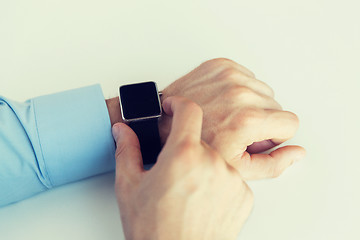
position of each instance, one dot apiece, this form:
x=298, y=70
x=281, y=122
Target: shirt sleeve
x=53, y=140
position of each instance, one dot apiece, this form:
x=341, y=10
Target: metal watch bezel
x=141, y=118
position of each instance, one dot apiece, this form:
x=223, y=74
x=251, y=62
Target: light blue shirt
x=53, y=140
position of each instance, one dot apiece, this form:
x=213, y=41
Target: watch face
x=139, y=100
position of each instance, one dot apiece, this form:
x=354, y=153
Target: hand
x=241, y=118
x=190, y=193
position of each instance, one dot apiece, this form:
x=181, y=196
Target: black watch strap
x=149, y=138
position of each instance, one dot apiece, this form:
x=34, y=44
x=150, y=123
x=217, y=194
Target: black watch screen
x=140, y=100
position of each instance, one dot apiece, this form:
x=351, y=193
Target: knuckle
x=194, y=108
x=294, y=119
x=291, y=120
x=178, y=99
x=273, y=104
x=230, y=73
x=189, y=105
x=266, y=88
x=240, y=93
x=250, y=116
x=219, y=61
x=187, y=145
x=271, y=91
x=225, y=63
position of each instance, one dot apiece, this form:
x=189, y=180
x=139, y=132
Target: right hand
x=190, y=193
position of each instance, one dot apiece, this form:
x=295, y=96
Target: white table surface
x=308, y=51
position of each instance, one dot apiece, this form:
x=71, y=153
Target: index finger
x=187, y=118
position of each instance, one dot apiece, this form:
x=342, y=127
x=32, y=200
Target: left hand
x=241, y=118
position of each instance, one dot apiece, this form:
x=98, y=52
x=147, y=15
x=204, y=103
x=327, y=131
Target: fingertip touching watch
x=141, y=109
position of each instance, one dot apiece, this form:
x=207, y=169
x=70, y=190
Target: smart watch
x=141, y=109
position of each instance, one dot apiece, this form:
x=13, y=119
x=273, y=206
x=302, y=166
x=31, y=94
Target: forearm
x=53, y=140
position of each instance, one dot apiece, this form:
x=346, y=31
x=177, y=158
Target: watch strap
x=148, y=133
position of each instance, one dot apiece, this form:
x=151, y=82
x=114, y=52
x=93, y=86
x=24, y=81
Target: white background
x=308, y=51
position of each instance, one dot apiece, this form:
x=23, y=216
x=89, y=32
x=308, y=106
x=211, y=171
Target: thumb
x=129, y=164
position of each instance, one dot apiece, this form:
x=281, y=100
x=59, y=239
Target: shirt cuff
x=75, y=134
